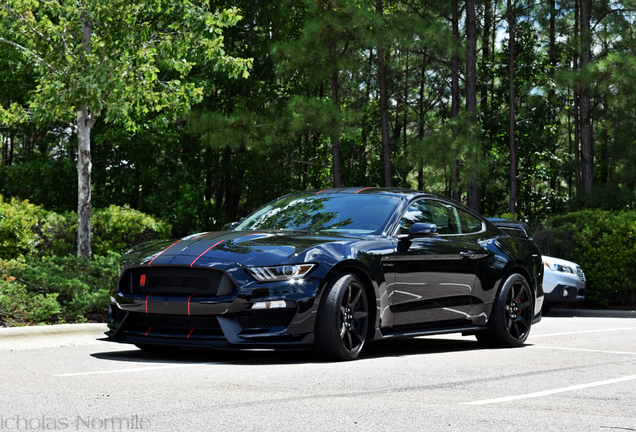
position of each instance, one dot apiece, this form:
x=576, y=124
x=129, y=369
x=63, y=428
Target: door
x=433, y=278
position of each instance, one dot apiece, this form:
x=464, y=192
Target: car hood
x=246, y=248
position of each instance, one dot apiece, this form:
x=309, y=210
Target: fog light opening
x=270, y=304
x=565, y=292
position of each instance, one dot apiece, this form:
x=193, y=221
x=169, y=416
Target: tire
x=343, y=319
x=511, y=316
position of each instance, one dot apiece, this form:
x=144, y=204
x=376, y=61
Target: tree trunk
x=11, y=144
x=457, y=196
x=420, y=135
x=511, y=117
x=577, y=111
x=485, y=49
x=4, y=160
x=335, y=135
x=384, y=121
x=84, y=167
x=587, y=151
x=552, y=93
x=474, y=199
x=552, y=53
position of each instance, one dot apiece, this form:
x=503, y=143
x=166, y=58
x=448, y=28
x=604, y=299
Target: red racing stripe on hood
x=159, y=254
x=215, y=244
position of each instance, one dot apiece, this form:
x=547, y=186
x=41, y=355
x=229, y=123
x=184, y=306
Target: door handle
x=467, y=254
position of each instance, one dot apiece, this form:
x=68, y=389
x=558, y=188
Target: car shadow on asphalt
x=375, y=349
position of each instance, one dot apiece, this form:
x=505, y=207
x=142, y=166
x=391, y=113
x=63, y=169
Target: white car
x=563, y=282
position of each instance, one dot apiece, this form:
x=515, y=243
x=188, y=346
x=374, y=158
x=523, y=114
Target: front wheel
x=511, y=316
x=343, y=319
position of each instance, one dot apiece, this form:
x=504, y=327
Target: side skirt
x=384, y=333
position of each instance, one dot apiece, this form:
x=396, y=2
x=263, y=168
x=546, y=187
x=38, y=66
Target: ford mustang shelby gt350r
x=332, y=269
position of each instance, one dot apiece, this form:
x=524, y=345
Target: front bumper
x=565, y=294
x=253, y=315
x=564, y=287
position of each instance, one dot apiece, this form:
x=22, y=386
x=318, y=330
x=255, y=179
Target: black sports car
x=332, y=269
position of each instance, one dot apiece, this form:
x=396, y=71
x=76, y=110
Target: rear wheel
x=343, y=319
x=511, y=316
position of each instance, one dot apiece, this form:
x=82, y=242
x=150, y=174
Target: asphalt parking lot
x=574, y=374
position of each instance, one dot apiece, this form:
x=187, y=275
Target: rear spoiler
x=512, y=228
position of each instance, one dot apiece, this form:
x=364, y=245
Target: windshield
x=345, y=213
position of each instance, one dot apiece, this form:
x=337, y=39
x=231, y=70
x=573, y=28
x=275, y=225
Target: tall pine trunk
x=384, y=120
x=552, y=54
x=485, y=53
x=511, y=117
x=587, y=150
x=335, y=135
x=474, y=199
x=455, y=99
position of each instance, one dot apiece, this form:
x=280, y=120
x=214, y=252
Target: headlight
x=280, y=273
x=559, y=268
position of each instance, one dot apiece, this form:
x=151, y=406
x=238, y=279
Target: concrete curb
x=56, y=329
x=20, y=338
x=591, y=313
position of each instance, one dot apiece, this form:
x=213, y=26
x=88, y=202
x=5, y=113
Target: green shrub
x=17, y=220
x=603, y=243
x=19, y=306
x=57, y=232
x=56, y=289
x=120, y=228
x=43, y=281
x=29, y=230
x=115, y=229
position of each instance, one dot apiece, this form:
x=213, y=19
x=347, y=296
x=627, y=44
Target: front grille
x=267, y=319
x=579, y=271
x=173, y=326
x=184, y=322
x=176, y=281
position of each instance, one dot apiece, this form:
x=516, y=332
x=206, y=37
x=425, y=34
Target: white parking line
x=551, y=392
x=582, y=349
x=583, y=331
x=142, y=369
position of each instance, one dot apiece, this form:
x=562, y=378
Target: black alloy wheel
x=343, y=319
x=511, y=316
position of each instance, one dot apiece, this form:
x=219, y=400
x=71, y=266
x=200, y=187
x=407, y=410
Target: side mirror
x=421, y=229
x=229, y=227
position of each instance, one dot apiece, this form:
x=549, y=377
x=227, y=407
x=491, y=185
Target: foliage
x=51, y=183
x=31, y=231
x=17, y=220
x=314, y=83
x=603, y=243
x=55, y=289
x=126, y=57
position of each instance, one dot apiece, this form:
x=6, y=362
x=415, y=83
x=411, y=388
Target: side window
x=448, y=218
x=470, y=224
x=417, y=212
x=445, y=216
